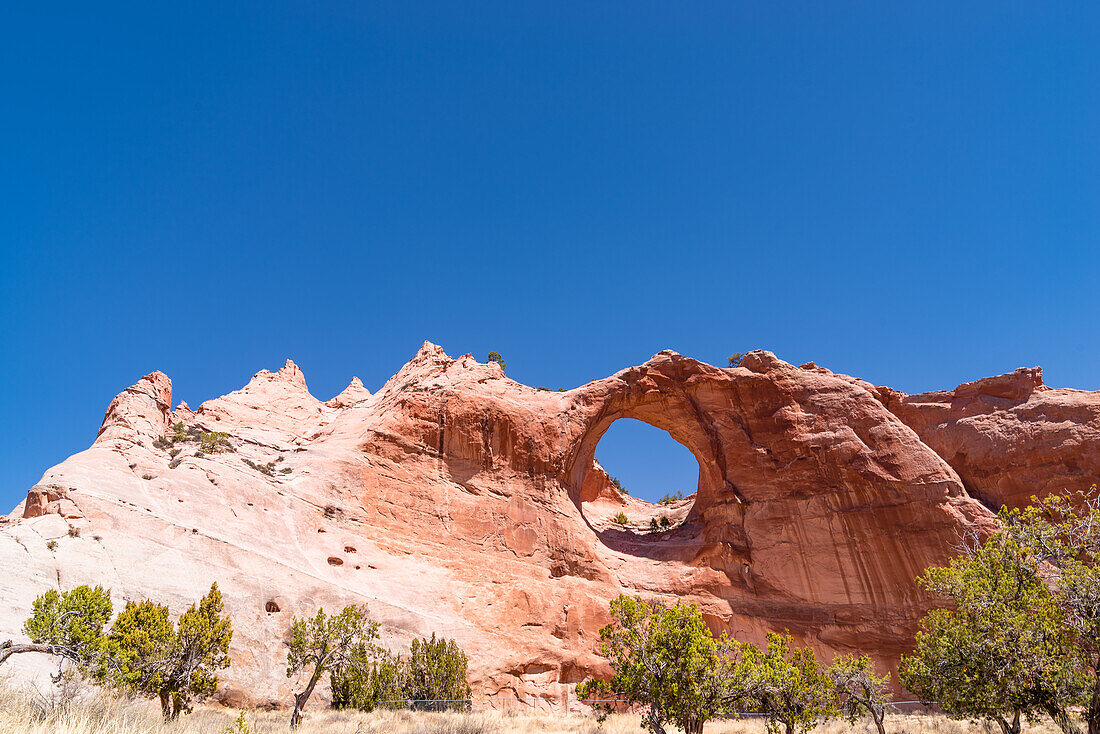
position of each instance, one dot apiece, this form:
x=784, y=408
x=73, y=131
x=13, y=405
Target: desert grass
x=97, y=712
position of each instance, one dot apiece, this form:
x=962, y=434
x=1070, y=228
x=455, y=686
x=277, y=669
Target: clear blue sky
x=905, y=192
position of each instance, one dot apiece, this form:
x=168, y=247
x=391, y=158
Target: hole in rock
x=642, y=481
x=349, y=549
x=271, y=607
x=334, y=561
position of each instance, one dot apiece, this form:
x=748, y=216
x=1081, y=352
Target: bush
x=268, y=468
x=176, y=664
x=669, y=498
x=665, y=522
x=617, y=484
x=495, y=357
x=653, y=526
x=372, y=680
x=620, y=519
x=432, y=677
x=214, y=442
x=735, y=359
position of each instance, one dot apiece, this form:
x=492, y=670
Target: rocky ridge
x=459, y=501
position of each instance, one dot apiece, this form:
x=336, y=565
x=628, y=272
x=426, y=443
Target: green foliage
x=735, y=359
x=620, y=519
x=175, y=663
x=267, y=469
x=436, y=671
x=72, y=622
x=323, y=643
x=1003, y=650
x=665, y=522
x=433, y=676
x=214, y=442
x=793, y=691
x=666, y=659
x=371, y=680
x=179, y=432
x=239, y=725
x=495, y=357
x=617, y=484
x=51, y=545
x=162, y=443
x=669, y=498
x=654, y=527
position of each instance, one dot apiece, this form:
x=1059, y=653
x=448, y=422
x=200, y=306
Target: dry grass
x=93, y=712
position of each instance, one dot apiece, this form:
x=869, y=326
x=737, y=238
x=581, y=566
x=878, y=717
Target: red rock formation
x=1010, y=437
x=458, y=501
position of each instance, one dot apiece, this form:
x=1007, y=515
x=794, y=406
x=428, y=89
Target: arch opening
x=641, y=481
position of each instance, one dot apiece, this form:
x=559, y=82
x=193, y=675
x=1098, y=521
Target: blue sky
x=903, y=192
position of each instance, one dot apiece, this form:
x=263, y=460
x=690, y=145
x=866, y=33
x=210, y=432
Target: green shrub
x=239, y=725
x=51, y=545
x=495, y=357
x=214, y=442
x=176, y=664
x=665, y=522
x=268, y=468
x=735, y=359
x=436, y=671
x=371, y=680
x=653, y=526
x=431, y=677
x=617, y=484
x=620, y=519
x=669, y=498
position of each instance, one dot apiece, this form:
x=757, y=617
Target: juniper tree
x=176, y=664
x=325, y=643
x=667, y=659
x=435, y=671
x=792, y=690
x=1002, y=650
x=858, y=690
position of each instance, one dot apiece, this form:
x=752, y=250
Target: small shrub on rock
x=620, y=519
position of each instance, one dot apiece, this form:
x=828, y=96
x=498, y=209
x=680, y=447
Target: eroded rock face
x=1010, y=437
x=458, y=501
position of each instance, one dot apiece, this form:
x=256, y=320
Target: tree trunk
x=300, y=700
x=165, y=705
x=1007, y=728
x=693, y=726
x=879, y=715
x=654, y=718
x=1094, y=706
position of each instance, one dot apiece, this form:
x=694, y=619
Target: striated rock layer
x=459, y=501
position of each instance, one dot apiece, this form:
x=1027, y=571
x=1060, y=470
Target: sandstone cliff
x=459, y=501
